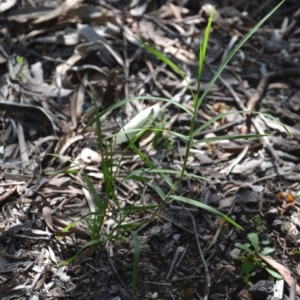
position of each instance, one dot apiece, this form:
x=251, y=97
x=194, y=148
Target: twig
x=268, y=144
x=255, y=123
x=126, y=61
x=179, y=250
x=41, y=267
x=182, y=256
x=207, y=275
x=263, y=84
x=181, y=227
x=116, y=272
x=148, y=78
x=237, y=160
x=270, y=176
x=219, y=229
x=38, y=238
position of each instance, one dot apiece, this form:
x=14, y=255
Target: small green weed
x=252, y=264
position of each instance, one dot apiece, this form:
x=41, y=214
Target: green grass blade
x=130, y=226
x=135, y=176
x=159, y=191
x=202, y=55
x=228, y=137
x=96, y=224
x=205, y=207
x=98, y=202
x=154, y=129
x=122, y=102
x=233, y=51
x=68, y=227
x=166, y=171
x=150, y=164
x=220, y=116
x=132, y=208
x=164, y=59
x=86, y=245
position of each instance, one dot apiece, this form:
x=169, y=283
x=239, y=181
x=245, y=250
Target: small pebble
x=235, y=253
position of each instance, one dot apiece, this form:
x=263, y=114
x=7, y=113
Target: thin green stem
x=188, y=146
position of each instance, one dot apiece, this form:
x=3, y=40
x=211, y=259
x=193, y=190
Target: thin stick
x=207, y=281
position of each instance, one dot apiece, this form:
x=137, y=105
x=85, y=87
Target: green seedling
x=252, y=264
x=20, y=59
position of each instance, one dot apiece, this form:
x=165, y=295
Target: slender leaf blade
x=201, y=59
x=207, y=208
x=232, y=52
x=164, y=59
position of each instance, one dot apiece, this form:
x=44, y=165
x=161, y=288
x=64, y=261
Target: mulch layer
x=51, y=53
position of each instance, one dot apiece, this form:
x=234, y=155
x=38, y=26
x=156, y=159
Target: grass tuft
x=109, y=220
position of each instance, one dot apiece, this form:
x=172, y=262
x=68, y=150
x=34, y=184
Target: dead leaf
x=141, y=121
x=48, y=217
x=60, y=10
x=40, y=283
x=23, y=15
x=5, y=5
x=282, y=270
x=298, y=269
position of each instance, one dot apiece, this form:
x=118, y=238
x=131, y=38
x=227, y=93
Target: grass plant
x=107, y=206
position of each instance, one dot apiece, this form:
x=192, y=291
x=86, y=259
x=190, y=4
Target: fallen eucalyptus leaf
x=140, y=122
